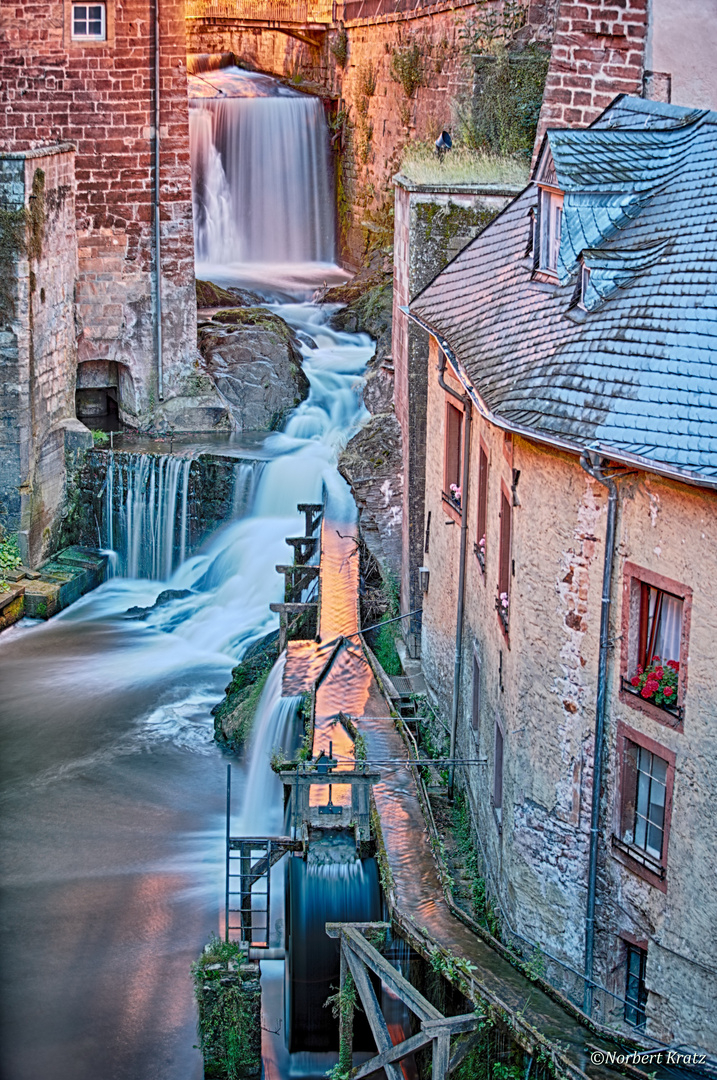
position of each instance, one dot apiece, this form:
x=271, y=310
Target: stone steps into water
x=59, y=582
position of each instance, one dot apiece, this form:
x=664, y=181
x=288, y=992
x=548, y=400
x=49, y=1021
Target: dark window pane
x=475, y=716
x=498, y=770
x=635, y=988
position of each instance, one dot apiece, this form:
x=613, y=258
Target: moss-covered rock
x=210, y=295
x=234, y=716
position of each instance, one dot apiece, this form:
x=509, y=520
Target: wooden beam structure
x=302, y=778
x=359, y=957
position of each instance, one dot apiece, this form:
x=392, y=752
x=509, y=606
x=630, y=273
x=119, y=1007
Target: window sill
x=669, y=717
x=640, y=863
x=545, y=277
x=451, y=508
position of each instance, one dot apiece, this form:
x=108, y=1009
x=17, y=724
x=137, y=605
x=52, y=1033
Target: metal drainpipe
x=157, y=249
x=467, y=413
x=591, y=463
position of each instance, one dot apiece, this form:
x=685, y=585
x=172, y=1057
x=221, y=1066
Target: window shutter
x=482, y=494
x=505, y=525
x=498, y=769
x=454, y=424
x=629, y=792
x=475, y=713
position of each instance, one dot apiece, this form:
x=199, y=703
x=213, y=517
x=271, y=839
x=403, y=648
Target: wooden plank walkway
x=418, y=906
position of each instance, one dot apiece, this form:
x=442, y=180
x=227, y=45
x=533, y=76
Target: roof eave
x=671, y=472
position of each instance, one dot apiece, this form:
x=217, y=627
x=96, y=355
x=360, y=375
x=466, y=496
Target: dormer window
x=551, y=216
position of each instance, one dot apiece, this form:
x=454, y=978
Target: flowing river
x=112, y=805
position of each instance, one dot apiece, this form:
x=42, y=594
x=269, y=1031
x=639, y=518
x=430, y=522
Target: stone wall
x=99, y=96
x=38, y=355
x=598, y=52
x=380, y=116
x=649, y=48
x=432, y=225
x=213, y=496
x=538, y=686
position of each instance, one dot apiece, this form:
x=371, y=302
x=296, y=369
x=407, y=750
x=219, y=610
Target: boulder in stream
x=255, y=360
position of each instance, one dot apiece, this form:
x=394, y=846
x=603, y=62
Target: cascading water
x=261, y=188
x=113, y=814
x=145, y=513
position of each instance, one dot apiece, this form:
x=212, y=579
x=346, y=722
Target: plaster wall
x=681, y=44
x=431, y=226
x=539, y=685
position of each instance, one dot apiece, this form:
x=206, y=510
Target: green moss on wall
x=229, y=1004
x=13, y=244
x=234, y=716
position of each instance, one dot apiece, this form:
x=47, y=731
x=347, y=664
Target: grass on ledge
x=421, y=165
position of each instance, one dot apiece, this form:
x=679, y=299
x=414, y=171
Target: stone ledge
x=41, y=151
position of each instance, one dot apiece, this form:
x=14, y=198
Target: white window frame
x=551, y=215
x=584, y=282
x=102, y=36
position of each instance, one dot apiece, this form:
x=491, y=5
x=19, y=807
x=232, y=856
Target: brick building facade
x=95, y=96
x=99, y=96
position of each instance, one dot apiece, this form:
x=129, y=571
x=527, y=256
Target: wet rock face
x=255, y=361
x=371, y=463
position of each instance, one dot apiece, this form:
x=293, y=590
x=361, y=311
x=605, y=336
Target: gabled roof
x=637, y=373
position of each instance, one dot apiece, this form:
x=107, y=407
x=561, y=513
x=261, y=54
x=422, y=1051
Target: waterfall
x=246, y=478
x=260, y=173
x=215, y=236
x=274, y=729
x=145, y=513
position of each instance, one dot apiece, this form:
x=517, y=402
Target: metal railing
x=278, y=11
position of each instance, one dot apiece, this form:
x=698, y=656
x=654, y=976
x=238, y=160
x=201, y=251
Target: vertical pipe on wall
x=157, y=247
x=592, y=466
x=467, y=416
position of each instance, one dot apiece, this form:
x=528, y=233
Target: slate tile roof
x=637, y=372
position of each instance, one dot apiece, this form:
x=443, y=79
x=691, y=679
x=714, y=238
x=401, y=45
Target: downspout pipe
x=157, y=246
x=467, y=416
x=592, y=464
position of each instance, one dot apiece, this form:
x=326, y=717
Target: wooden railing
x=282, y=11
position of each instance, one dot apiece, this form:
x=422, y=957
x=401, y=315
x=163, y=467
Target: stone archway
x=105, y=394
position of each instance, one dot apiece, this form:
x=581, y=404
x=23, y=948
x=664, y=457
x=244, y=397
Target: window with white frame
x=89, y=22
x=584, y=282
x=551, y=220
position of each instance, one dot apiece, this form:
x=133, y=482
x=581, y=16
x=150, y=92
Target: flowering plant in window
x=658, y=681
x=480, y=551
x=502, y=606
x=456, y=495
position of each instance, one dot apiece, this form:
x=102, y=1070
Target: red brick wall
x=598, y=52
x=100, y=97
